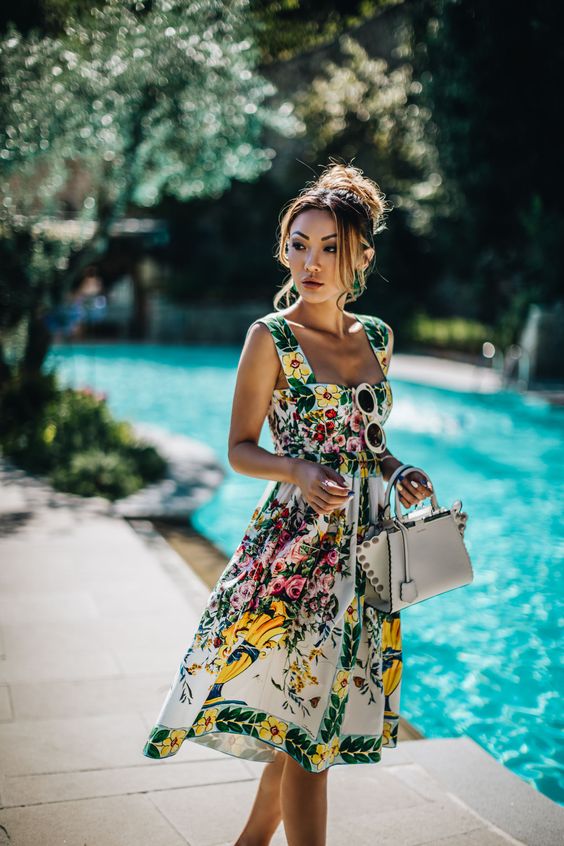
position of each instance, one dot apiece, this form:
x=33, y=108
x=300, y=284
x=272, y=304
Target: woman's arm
x=414, y=487
x=389, y=464
x=256, y=377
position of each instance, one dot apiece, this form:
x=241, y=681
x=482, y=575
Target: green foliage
x=98, y=473
x=149, y=98
x=143, y=99
x=71, y=437
x=450, y=333
x=292, y=27
x=488, y=73
x=363, y=103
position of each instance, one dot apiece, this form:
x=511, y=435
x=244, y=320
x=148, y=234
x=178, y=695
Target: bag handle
x=392, y=486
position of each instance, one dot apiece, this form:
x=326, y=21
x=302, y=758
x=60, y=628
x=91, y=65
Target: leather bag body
x=410, y=558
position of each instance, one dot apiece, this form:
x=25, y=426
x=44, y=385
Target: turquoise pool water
x=486, y=660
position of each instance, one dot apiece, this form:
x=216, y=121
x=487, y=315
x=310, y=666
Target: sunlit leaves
x=365, y=96
x=165, y=94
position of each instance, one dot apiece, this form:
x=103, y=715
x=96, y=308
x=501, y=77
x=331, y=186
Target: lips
x=313, y=282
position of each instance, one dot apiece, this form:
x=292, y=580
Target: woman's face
x=312, y=252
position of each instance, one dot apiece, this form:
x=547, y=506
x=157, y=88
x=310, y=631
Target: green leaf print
x=334, y=717
x=284, y=340
x=151, y=751
x=347, y=647
x=300, y=747
x=160, y=735
x=299, y=387
x=355, y=750
x=306, y=403
x=234, y=720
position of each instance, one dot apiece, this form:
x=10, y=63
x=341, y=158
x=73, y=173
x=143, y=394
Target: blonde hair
x=358, y=208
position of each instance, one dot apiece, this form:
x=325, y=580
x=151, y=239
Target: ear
x=368, y=256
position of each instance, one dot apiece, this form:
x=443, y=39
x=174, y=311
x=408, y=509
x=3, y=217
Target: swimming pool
x=485, y=661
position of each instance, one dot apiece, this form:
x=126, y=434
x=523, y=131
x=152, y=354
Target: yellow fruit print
x=286, y=655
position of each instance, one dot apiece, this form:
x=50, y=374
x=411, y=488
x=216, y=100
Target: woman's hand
x=413, y=488
x=322, y=487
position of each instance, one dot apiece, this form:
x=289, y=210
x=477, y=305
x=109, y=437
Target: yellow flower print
x=294, y=364
x=343, y=463
x=273, y=730
x=334, y=749
x=386, y=733
x=206, y=722
x=173, y=742
x=341, y=683
x=327, y=395
x=351, y=613
x=320, y=755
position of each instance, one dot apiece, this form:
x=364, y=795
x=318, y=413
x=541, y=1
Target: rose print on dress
x=285, y=654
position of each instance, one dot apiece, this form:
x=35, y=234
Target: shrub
x=454, y=333
x=98, y=473
x=71, y=437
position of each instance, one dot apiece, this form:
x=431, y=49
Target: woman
x=288, y=664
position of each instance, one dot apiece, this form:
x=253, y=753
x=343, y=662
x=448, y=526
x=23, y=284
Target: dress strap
x=295, y=365
x=381, y=338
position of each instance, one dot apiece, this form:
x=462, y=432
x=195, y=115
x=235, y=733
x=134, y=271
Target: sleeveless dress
x=286, y=655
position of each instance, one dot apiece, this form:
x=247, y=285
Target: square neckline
x=334, y=384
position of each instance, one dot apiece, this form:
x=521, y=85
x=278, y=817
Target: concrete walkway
x=94, y=618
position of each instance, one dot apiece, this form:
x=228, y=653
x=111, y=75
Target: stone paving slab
x=94, y=617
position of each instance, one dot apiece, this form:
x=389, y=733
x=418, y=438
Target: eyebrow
x=297, y=232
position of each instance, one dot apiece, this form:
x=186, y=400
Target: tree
x=489, y=72
x=147, y=98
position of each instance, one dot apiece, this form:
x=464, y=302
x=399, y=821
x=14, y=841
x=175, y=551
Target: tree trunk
x=37, y=343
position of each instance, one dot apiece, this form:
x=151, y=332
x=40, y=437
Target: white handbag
x=412, y=557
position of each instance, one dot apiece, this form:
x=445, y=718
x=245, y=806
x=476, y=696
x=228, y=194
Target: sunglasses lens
x=374, y=436
x=365, y=401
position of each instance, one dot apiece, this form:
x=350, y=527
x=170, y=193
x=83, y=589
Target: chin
x=310, y=293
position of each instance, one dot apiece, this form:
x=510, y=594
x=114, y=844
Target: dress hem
x=313, y=755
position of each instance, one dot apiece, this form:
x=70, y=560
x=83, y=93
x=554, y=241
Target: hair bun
x=349, y=180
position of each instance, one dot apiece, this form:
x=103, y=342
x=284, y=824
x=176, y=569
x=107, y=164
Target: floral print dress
x=286, y=655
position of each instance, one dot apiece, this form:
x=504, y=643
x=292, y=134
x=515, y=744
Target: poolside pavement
x=94, y=618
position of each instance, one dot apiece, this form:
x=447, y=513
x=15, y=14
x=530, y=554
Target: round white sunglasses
x=367, y=404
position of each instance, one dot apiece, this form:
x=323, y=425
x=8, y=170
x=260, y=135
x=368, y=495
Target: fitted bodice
x=320, y=420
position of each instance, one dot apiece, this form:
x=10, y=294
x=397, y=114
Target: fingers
x=330, y=496
x=321, y=507
x=334, y=476
x=329, y=502
x=412, y=490
x=335, y=489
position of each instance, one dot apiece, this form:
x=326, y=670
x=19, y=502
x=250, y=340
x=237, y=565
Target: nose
x=311, y=265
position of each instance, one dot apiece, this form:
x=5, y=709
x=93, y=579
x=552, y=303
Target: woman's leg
x=304, y=805
x=266, y=812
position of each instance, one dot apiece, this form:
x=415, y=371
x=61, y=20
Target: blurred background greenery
x=155, y=109
x=148, y=147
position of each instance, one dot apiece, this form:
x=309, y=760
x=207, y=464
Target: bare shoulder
x=259, y=339
x=259, y=355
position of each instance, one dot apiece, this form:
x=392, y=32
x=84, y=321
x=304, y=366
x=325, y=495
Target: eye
x=297, y=244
